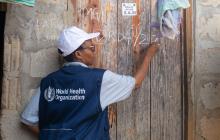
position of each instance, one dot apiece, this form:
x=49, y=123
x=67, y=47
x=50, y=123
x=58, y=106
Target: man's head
x=76, y=45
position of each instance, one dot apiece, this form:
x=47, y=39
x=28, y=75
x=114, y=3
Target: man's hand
x=33, y=129
x=153, y=48
x=142, y=71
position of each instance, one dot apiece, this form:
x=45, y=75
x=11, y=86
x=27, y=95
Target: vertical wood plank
x=89, y=19
x=190, y=109
x=108, y=43
x=125, y=111
x=156, y=82
x=166, y=104
x=142, y=95
x=6, y=69
x=14, y=73
x=133, y=114
x=11, y=94
x=13, y=84
x=166, y=93
x=100, y=16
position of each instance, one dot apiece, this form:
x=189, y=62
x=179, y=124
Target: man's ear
x=78, y=55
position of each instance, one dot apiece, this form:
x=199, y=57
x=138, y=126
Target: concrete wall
x=30, y=54
x=207, y=69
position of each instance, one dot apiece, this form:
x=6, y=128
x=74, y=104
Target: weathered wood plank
x=6, y=69
x=156, y=113
x=108, y=42
x=166, y=104
x=101, y=16
x=166, y=107
x=87, y=15
x=125, y=112
x=14, y=73
x=142, y=96
x=133, y=117
x=190, y=111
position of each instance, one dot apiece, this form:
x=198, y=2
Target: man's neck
x=75, y=63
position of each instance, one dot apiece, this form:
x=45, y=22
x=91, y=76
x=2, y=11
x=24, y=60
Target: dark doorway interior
x=2, y=27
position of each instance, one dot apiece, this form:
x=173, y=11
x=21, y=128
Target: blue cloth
x=69, y=107
x=164, y=5
x=169, y=14
x=24, y=2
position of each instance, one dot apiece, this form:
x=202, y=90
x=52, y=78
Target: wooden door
x=155, y=111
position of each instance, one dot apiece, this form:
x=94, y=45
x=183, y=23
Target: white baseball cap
x=71, y=38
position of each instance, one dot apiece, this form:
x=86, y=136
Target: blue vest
x=69, y=107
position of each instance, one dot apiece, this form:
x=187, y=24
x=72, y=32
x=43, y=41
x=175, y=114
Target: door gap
x=3, y=8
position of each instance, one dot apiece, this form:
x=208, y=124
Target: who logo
x=49, y=94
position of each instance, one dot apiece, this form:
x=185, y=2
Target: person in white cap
x=72, y=103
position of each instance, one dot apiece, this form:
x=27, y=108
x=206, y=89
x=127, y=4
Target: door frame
x=189, y=98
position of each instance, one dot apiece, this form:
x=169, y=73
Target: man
x=72, y=103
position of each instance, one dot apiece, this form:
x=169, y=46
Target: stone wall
x=30, y=54
x=207, y=69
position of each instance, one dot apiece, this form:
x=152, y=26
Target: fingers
x=155, y=44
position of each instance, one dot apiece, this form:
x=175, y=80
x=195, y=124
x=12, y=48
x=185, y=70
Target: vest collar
x=75, y=64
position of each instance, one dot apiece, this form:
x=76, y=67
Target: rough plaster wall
x=30, y=54
x=207, y=65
